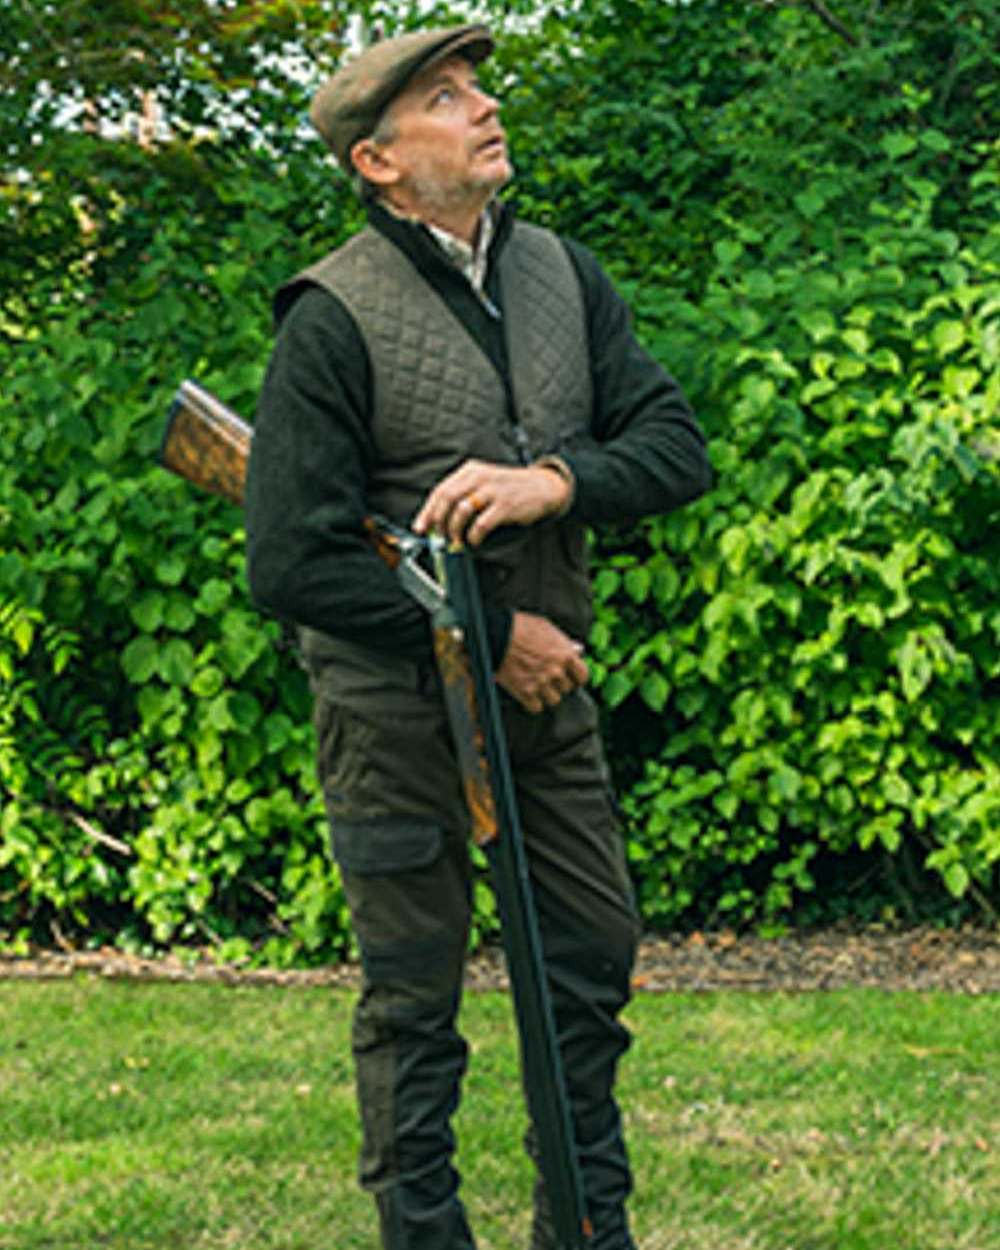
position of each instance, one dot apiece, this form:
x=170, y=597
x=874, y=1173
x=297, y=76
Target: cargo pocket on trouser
x=386, y=847
x=407, y=889
x=398, y=829
x=393, y=764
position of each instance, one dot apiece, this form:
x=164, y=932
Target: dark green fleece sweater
x=308, y=558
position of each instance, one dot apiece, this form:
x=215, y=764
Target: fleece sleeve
x=646, y=452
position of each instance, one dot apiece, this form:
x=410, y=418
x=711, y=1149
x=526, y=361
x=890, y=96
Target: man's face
x=447, y=146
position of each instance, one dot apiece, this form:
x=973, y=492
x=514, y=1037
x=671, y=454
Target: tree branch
x=99, y=835
x=832, y=21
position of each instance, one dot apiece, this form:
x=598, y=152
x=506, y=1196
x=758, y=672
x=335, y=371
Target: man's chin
x=498, y=177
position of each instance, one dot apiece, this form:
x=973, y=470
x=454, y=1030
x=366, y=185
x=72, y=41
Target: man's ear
x=372, y=163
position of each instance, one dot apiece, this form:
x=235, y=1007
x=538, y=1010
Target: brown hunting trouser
x=400, y=835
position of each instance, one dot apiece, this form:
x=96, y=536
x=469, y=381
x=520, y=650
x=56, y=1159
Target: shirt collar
x=468, y=260
x=471, y=261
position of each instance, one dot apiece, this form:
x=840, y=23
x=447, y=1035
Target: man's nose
x=483, y=104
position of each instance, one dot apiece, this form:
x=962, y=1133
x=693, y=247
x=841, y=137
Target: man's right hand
x=542, y=664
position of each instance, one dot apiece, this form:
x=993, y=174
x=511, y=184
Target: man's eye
x=444, y=95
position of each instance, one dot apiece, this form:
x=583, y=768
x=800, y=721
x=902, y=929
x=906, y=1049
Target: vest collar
x=417, y=242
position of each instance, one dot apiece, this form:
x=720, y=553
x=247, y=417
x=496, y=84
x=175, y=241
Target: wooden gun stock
x=207, y=443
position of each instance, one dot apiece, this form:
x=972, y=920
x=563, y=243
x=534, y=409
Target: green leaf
x=176, y=663
x=243, y=752
x=655, y=690
x=213, y=596
x=153, y=702
x=758, y=395
x=734, y=544
x=727, y=252
x=207, y=681
x=960, y=383
x=898, y=144
x=935, y=140
x=897, y=790
x=956, y=878
x=140, y=659
x=218, y=713
x=617, y=688
x=810, y=202
x=179, y=614
x=948, y=336
x=637, y=583
x=785, y=783
x=666, y=583
x=278, y=731
x=915, y=667
x=147, y=611
x=719, y=611
x=887, y=360
x=23, y=632
x=759, y=284
x=170, y=570
x=727, y=803
x=245, y=710
x=818, y=322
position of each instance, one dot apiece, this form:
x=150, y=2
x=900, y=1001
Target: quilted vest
x=438, y=400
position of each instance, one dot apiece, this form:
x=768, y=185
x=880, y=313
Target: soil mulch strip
x=965, y=961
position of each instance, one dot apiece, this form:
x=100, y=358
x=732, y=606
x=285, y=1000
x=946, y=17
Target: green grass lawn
x=139, y=1116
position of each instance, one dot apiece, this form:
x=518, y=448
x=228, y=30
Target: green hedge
x=820, y=635
x=799, y=673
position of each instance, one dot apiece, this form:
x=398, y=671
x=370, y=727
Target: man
x=460, y=372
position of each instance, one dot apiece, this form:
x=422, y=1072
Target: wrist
x=558, y=468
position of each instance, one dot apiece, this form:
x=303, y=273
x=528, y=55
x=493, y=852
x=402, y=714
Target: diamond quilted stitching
x=438, y=396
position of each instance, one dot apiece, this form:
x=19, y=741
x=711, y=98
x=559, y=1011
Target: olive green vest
x=438, y=400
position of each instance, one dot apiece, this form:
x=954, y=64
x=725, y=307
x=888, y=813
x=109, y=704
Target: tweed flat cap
x=348, y=105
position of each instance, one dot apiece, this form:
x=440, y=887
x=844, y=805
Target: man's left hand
x=478, y=497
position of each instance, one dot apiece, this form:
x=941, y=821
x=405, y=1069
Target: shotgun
x=209, y=445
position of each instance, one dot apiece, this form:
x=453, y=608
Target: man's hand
x=542, y=664
x=473, y=500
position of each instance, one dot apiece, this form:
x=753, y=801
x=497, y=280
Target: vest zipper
x=521, y=440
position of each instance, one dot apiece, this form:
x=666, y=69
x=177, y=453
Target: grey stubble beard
x=438, y=197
